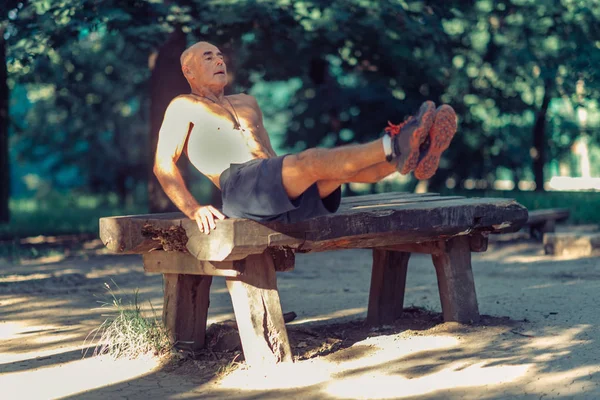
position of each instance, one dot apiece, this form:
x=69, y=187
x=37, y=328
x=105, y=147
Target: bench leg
x=388, y=281
x=455, y=281
x=185, y=309
x=258, y=313
x=537, y=231
x=549, y=226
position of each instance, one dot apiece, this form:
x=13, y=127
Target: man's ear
x=187, y=71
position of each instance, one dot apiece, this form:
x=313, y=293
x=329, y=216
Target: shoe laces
x=394, y=129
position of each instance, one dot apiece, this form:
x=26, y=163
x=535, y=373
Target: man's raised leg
x=341, y=164
x=371, y=174
x=300, y=171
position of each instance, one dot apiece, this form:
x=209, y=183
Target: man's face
x=208, y=67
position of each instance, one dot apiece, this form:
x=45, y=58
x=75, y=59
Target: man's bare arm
x=171, y=141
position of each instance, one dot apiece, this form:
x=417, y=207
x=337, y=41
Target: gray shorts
x=254, y=190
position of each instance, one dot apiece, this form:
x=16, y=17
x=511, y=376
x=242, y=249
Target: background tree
x=512, y=62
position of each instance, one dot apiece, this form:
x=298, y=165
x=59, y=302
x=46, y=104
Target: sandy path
x=548, y=349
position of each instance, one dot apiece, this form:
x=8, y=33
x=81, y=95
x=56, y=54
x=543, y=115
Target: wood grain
x=455, y=281
x=185, y=308
x=379, y=225
x=388, y=281
x=258, y=313
x=172, y=262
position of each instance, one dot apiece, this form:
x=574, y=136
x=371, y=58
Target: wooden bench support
x=172, y=262
x=185, y=309
x=258, y=313
x=455, y=281
x=388, y=280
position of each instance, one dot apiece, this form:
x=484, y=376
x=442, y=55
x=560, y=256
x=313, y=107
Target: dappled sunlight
x=283, y=376
x=83, y=375
x=389, y=348
x=11, y=301
x=376, y=385
x=37, y=356
x=219, y=291
x=405, y=365
x=349, y=312
x=558, y=339
x=111, y=271
x=547, y=357
x=542, y=286
x=24, y=340
x=18, y=337
x=371, y=353
x=23, y=278
x=541, y=257
x=50, y=259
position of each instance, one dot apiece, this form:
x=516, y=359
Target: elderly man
x=224, y=138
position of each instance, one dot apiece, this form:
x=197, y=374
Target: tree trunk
x=4, y=153
x=166, y=83
x=539, y=139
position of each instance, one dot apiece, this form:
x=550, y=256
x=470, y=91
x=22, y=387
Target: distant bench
x=544, y=221
x=248, y=254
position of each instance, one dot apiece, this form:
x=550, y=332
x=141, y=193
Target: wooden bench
x=544, y=221
x=248, y=254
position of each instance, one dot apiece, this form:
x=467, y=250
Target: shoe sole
x=441, y=134
x=418, y=136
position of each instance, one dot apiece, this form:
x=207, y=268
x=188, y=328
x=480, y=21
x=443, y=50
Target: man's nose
x=220, y=61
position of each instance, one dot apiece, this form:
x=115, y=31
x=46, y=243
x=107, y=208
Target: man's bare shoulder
x=188, y=101
x=187, y=106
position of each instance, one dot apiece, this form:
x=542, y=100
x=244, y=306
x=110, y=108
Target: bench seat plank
x=392, y=203
x=544, y=221
x=387, y=196
x=541, y=216
x=360, y=226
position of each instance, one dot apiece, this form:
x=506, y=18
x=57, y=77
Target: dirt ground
x=539, y=337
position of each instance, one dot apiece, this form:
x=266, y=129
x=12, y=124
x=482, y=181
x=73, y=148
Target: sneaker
x=408, y=136
x=440, y=136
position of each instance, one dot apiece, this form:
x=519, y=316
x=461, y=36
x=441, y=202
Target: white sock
x=387, y=147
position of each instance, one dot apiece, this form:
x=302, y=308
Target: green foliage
x=346, y=67
x=62, y=215
x=508, y=57
x=83, y=117
x=126, y=333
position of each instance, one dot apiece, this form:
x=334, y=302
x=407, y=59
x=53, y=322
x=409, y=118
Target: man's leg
x=371, y=174
x=302, y=170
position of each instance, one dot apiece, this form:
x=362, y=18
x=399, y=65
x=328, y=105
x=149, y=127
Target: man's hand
x=205, y=218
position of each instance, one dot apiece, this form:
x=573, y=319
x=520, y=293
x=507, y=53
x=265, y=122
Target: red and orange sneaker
x=440, y=136
x=408, y=136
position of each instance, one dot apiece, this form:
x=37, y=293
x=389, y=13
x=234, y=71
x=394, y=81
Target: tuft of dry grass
x=126, y=332
x=228, y=368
